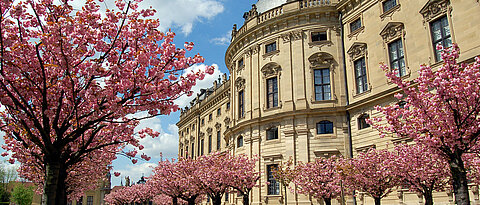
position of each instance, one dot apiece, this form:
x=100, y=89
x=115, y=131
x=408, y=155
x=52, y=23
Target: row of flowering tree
x=187, y=180
x=70, y=79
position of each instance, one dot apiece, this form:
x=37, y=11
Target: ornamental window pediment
x=434, y=8
x=321, y=60
x=392, y=31
x=270, y=69
x=357, y=50
x=240, y=83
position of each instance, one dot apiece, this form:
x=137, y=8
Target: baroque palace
x=304, y=76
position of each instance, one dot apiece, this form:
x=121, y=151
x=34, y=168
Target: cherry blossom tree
x=442, y=112
x=176, y=180
x=423, y=170
x=213, y=174
x=242, y=175
x=71, y=82
x=319, y=179
x=371, y=172
x=138, y=193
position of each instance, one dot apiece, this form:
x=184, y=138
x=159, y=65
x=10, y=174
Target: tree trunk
x=55, y=189
x=217, y=200
x=175, y=201
x=245, y=199
x=285, y=193
x=377, y=200
x=428, y=197
x=328, y=201
x=460, y=183
x=191, y=201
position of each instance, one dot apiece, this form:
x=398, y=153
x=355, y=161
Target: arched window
x=325, y=127
x=240, y=141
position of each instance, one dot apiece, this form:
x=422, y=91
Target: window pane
x=326, y=76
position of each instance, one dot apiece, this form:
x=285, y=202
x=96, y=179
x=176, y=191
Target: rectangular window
x=388, y=4
x=188, y=130
x=241, y=106
x=319, y=36
x=203, y=121
x=201, y=146
x=322, y=84
x=362, y=122
x=181, y=152
x=360, y=75
x=272, y=133
x=219, y=111
x=219, y=140
x=186, y=151
x=357, y=24
x=193, y=148
x=271, y=47
x=325, y=127
x=240, y=141
x=272, y=92
x=240, y=63
x=193, y=127
x=210, y=117
x=228, y=106
x=89, y=200
x=440, y=35
x=209, y=143
x=80, y=201
x=397, y=58
x=273, y=186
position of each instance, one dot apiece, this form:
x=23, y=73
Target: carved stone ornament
x=218, y=126
x=240, y=83
x=357, y=50
x=292, y=36
x=271, y=69
x=392, y=31
x=209, y=130
x=227, y=120
x=434, y=8
x=201, y=134
x=321, y=60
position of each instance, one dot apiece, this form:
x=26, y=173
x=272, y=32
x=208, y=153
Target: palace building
x=304, y=77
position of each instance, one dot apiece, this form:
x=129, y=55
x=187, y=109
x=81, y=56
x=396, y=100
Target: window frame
x=273, y=93
x=89, y=200
x=322, y=85
x=362, y=77
x=441, y=19
x=324, y=122
x=319, y=33
x=240, y=141
x=219, y=140
x=241, y=104
x=219, y=111
x=398, y=59
x=202, y=147
x=272, y=133
x=352, y=24
x=362, y=123
x=268, y=47
x=273, y=187
x=210, y=143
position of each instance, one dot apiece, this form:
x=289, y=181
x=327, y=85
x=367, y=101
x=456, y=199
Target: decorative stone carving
x=357, y=50
x=321, y=60
x=271, y=69
x=292, y=36
x=434, y=8
x=240, y=83
x=251, y=14
x=218, y=126
x=201, y=134
x=209, y=130
x=227, y=121
x=285, y=37
x=392, y=31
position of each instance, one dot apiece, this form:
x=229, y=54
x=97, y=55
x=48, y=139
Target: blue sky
x=207, y=23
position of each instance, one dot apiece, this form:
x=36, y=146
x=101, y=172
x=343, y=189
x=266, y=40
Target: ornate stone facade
x=311, y=63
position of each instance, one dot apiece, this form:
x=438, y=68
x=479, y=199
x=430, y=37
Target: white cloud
x=222, y=40
x=181, y=14
x=135, y=171
x=207, y=82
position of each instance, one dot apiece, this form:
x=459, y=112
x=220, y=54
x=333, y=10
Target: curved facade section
x=305, y=76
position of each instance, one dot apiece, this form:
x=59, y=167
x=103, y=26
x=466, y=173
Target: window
x=188, y=130
x=89, y=200
x=272, y=92
x=241, y=106
x=388, y=4
x=193, y=127
x=186, y=151
x=362, y=122
x=397, y=58
x=181, y=152
x=322, y=84
x=228, y=106
x=357, y=24
x=201, y=146
x=319, y=36
x=272, y=133
x=240, y=63
x=193, y=149
x=325, y=127
x=273, y=186
x=209, y=143
x=360, y=75
x=240, y=141
x=226, y=196
x=219, y=112
x=210, y=117
x=440, y=35
x=271, y=47
x=219, y=140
